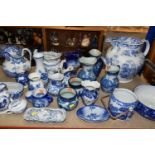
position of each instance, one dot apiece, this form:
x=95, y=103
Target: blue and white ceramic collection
x=39, y=98
x=93, y=113
x=122, y=100
x=90, y=92
x=110, y=81
x=146, y=97
x=67, y=99
x=127, y=53
x=70, y=85
x=15, y=63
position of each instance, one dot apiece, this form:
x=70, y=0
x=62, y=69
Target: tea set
x=70, y=83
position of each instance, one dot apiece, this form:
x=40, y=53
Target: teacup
x=122, y=104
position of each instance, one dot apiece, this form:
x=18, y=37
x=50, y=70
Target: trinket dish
x=45, y=115
x=93, y=113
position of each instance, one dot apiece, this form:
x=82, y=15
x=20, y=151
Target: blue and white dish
x=39, y=98
x=146, y=97
x=93, y=113
x=15, y=89
x=46, y=115
x=67, y=99
x=23, y=79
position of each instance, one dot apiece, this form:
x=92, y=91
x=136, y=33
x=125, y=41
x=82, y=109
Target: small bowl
x=15, y=89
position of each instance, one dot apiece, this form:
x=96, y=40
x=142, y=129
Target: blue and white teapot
x=15, y=63
x=127, y=53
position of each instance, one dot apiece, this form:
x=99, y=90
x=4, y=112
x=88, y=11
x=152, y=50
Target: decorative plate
x=45, y=115
x=93, y=113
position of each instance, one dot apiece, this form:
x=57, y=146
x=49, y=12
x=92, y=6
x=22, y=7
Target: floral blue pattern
x=93, y=113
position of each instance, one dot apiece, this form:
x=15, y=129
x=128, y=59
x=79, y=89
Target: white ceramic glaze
x=50, y=56
x=146, y=95
x=90, y=85
x=127, y=53
x=88, y=60
x=56, y=76
x=95, y=52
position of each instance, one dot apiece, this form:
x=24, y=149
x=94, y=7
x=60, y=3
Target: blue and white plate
x=93, y=113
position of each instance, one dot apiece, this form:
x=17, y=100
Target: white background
x=77, y=13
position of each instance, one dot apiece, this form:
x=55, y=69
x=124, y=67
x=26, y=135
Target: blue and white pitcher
x=15, y=63
x=127, y=53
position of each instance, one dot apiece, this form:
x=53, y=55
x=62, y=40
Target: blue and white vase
x=15, y=63
x=99, y=64
x=122, y=102
x=110, y=81
x=67, y=99
x=38, y=57
x=4, y=97
x=90, y=92
x=127, y=53
x=55, y=83
x=39, y=98
x=35, y=81
x=87, y=72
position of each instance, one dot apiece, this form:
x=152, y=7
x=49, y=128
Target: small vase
x=90, y=92
x=87, y=73
x=110, y=81
x=55, y=83
x=99, y=64
x=38, y=57
x=35, y=81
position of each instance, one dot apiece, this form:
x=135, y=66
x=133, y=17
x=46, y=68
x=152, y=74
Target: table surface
x=72, y=121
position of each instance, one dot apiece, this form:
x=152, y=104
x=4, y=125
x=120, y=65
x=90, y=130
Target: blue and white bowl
x=93, y=113
x=146, y=104
x=15, y=89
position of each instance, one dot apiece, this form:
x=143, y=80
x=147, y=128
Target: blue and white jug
x=15, y=63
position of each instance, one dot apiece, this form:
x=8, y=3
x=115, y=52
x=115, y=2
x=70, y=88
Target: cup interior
x=34, y=76
x=75, y=81
x=68, y=93
x=40, y=92
x=125, y=95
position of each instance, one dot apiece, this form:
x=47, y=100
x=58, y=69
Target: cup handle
x=30, y=54
x=106, y=107
x=147, y=47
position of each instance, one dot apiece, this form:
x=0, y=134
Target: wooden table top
x=72, y=121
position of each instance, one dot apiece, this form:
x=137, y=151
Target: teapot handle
x=147, y=47
x=30, y=54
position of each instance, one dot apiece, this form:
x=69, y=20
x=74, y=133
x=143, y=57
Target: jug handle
x=147, y=47
x=30, y=54
x=106, y=107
